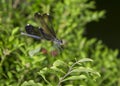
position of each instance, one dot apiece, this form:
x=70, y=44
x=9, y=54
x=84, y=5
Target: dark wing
x=45, y=21
x=30, y=29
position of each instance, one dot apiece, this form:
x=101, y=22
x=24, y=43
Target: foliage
x=22, y=62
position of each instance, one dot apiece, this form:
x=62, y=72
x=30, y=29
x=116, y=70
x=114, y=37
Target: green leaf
x=9, y=75
x=31, y=83
x=59, y=63
x=85, y=70
x=34, y=51
x=57, y=69
x=75, y=78
x=11, y=38
x=15, y=30
x=43, y=76
x=43, y=71
x=85, y=60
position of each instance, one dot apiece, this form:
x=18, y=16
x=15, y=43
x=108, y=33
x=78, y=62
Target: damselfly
x=46, y=30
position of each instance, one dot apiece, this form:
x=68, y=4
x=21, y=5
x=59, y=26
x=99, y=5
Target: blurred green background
x=28, y=62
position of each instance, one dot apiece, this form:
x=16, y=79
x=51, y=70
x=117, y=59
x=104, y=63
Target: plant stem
x=69, y=71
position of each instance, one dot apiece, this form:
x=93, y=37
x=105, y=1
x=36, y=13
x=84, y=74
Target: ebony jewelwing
x=45, y=32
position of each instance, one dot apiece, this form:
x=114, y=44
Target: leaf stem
x=69, y=71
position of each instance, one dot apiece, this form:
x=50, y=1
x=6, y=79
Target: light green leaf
x=82, y=69
x=43, y=71
x=43, y=76
x=85, y=60
x=11, y=39
x=9, y=75
x=75, y=78
x=59, y=63
x=57, y=69
x=85, y=70
x=69, y=85
x=14, y=31
x=34, y=51
x=31, y=83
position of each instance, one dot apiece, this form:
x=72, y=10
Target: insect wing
x=30, y=29
x=46, y=24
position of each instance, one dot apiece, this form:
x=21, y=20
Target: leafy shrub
x=23, y=63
